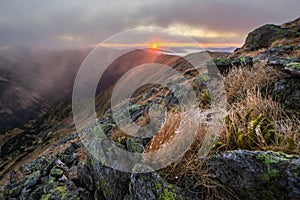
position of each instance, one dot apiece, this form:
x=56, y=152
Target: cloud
x=67, y=23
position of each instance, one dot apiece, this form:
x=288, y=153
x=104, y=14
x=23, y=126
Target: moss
x=272, y=173
x=61, y=189
x=205, y=99
x=106, y=189
x=275, y=157
x=90, y=160
x=10, y=192
x=294, y=65
x=158, y=186
x=266, y=159
x=97, y=185
x=222, y=59
x=56, y=172
x=135, y=145
x=134, y=107
x=122, y=139
x=32, y=176
x=167, y=193
x=202, y=78
x=51, y=179
x=242, y=59
x=46, y=196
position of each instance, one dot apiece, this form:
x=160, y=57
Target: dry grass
x=189, y=171
x=245, y=52
x=258, y=123
x=240, y=80
x=295, y=53
x=286, y=42
x=165, y=134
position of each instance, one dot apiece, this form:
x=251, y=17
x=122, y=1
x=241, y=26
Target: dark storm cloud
x=72, y=23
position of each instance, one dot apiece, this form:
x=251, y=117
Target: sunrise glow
x=157, y=45
x=154, y=45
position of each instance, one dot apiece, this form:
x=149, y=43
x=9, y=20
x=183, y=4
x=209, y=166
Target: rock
x=111, y=183
x=36, y=193
x=258, y=175
x=22, y=186
x=32, y=179
x=56, y=173
x=135, y=114
x=71, y=149
x=286, y=90
x=291, y=65
x=85, y=178
x=152, y=186
x=12, y=178
x=261, y=56
x=37, y=165
x=264, y=36
x=279, y=51
x=225, y=64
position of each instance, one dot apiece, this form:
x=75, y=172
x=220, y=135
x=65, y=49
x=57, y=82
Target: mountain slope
x=57, y=166
x=17, y=104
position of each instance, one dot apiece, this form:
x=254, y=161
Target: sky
x=77, y=23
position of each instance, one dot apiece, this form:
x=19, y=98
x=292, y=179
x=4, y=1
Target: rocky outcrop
x=115, y=185
x=264, y=36
x=285, y=89
x=258, y=175
x=225, y=64
x=57, y=177
x=250, y=175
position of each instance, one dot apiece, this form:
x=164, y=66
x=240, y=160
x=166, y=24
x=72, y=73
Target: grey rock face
x=258, y=175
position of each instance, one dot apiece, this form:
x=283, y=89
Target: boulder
x=264, y=36
x=225, y=64
x=258, y=175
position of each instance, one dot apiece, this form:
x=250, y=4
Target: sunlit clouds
x=199, y=32
x=69, y=23
x=68, y=37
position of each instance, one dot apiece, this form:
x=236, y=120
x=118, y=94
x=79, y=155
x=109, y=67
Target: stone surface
x=258, y=175
x=264, y=36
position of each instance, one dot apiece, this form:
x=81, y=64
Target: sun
x=154, y=45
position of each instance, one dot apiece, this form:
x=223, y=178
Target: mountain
x=18, y=104
x=32, y=81
x=256, y=156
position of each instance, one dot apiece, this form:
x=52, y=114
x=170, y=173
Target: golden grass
x=286, y=42
x=259, y=123
x=240, y=79
x=295, y=53
x=189, y=168
x=165, y=134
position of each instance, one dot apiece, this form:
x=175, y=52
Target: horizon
x=67, y=25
